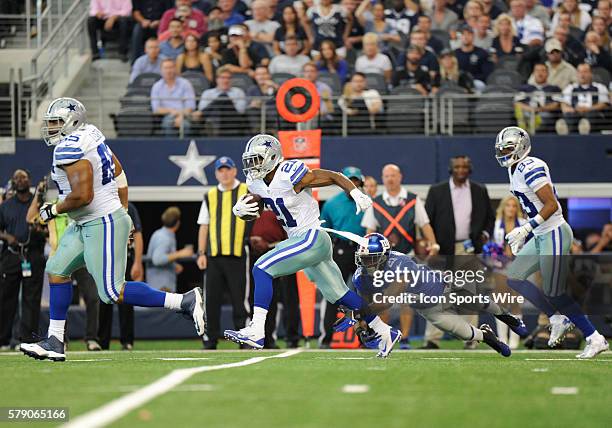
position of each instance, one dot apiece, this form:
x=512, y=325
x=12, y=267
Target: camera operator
x=22, y=263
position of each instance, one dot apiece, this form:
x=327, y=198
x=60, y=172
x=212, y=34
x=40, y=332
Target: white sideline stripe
x=89, y=361
x=118, y=408
x=182, y=359
x=568, y=359
x=355, y=389
x=564, y=390
x=542, y=370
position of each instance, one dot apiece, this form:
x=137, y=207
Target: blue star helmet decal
x=71, y=107
x=267, y=144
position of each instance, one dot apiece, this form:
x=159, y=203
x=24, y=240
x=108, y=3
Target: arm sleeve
x=155, y=101
x=603, y=94
x=125, y=9
x=136, y=70
x=204, y=216
x=207, y=97
x=369, y=220
x=387, y=63
x=161, y=249
x=94, y=8
x=420, y=215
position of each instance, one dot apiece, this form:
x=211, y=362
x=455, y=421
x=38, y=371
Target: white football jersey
x=529, y=176
x=87, y=142
x=296, y=212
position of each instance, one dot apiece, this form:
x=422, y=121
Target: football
x=254, y=198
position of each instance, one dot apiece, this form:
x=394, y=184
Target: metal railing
x=449, y=114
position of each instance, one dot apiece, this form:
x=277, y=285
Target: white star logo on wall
x=192, y=164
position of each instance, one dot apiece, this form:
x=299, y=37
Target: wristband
x=54, y=209
x=201, y=253
x=536, y=221
x=121, y=180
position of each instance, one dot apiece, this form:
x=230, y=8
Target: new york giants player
x=547, y=252
x=286, y=187
x=93, y=192
x=432, y=296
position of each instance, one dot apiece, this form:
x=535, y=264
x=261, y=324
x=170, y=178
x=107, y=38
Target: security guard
x=222, y=250
x=339, y=213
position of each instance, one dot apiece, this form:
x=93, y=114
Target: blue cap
x=224, y=161
x=353, y=171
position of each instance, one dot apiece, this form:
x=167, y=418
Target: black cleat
x=515, y=323
x=493, y=341
x=192, y=307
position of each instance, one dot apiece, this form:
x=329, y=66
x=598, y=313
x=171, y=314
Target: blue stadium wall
x=424, y=160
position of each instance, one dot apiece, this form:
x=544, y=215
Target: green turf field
x=451, y=388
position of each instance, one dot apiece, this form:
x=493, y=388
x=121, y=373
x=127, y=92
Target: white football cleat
x=247, y=336
x=559, y=326
x=388, y=341
x=595, y=345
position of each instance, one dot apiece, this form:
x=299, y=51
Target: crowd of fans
x=401, y=46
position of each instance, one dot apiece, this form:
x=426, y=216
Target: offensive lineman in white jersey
x=549, y=249
x=286, y=187
x=93, y=192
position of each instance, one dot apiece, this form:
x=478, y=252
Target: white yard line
x=116, y=409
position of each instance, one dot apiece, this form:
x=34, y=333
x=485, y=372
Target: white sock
x=56, y=328
x=478, y=336
x=378, y=325
x=259, y=318
x=173, y=301
x=594, y=335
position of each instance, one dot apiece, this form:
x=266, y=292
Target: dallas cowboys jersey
x=529, y=176
x=296, y=212
x=87, y=143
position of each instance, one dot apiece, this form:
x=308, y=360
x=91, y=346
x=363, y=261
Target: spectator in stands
x=354, y=39
x=530, y=30
x=372, y=61
x=192, y=58
x=560, y=72
x=150, y=62
x=414, y=75
x=491, y=9
x=242, y=55
x=401, y=18
x=215, y=19
x=360, y=104
x=573, y=49
x=483, y=36
x=442, y=18
x=536, y=105
x=429, y=60
x=174, y=45
x=585, y=104
x=193, y=19
x=331, y=63
x=472, y=59
x=505, y=42
x=372, y=17
x=424, y=24
x=596, y=56
x=261, y=27
x=536, y=10
x=222, y=106
x=290, y=26
x=596, y=243
x=229, y=14
x=328, y=21
x=370, y=186
x=264, y=87
x=147, y=15
x=604, y=10
x=162, y=266
x=450, y=72
x=291, y=61
x=106, y=16
x=456, y=6
x=212, y=56
x=326, y=108
x=579, y=18
x=598, y=25
x=472, y=11
x=173, y=98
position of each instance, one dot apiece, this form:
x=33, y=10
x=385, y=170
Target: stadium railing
x=440, y=114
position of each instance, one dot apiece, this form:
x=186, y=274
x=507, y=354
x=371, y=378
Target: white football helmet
x=67, y=115
x=512, y=145
x=262, y=154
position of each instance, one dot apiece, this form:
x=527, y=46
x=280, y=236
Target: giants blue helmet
x=373, y=256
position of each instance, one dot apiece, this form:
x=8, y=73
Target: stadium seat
x=443, y=36
x=459, y=114
x=145, y=80
x=332, y=80
x=145, y=92
x=601, y=75
x=280, y=78
x=242, y=81
x=505, y=77
x=377, y=81
x=405, y=115
x=490, y=116
x=134, y=123
x=199, y=82
x=137, y=101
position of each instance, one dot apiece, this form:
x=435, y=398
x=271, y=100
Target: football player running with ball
x=286, y=188
x=549, y=249
x=93, y=192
